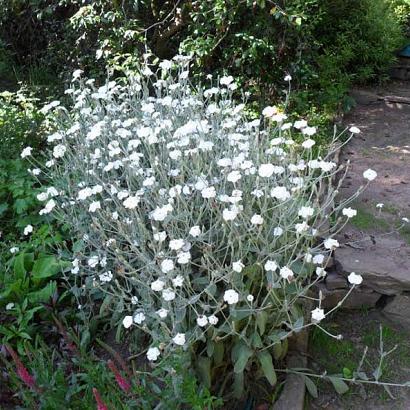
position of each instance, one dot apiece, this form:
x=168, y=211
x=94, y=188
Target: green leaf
x=238, y=385
x=340, y=386
x=244, y=354
x=265, y=360
x=261, y=319
x=311, y=387
x=218, y=355
x=204, y=370
x=47, y=267
x=277, y=350
x=22, y=264
x=44, y=294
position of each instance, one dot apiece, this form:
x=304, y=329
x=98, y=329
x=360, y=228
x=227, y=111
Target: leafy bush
x=194, y=225
x=61, y=378
x=325, y=44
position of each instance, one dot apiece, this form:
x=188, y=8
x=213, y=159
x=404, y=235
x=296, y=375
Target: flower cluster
x=194, y=220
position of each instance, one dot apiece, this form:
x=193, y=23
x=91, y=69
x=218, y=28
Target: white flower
x=179, y=339
x=131, y=202
x=183, y=258
x=320, y=272
x=355, y=279
x=271, y=266
x=134, y=300
x=195, y=231
x=354, y=130
x=229, y=214
x=278, y=231
x=160, y=236
x=157, y=285
x=14, y=249
x=369, y=174
x=266, y=170
x=94, y=206
x=231, y=297
x=178, y=281
x=286, y=273
x=213, y=320
x=302, y=227
x=127, y=321
x=153, y=353
x=162, y=313
x=168, y=294
x=9, y=306
x=93, y=261
x=48, y=208
x=349, y=212
x=280, y=192
x=300, y=124
x=331, y=243
x=309, y=131
x=306, y=212
x=139, y=318
x=202, y=321
x=287, y=78
x=77, y=74
x=269, y=111
x=167, y=265
x=234, y=176
x=318, y=315
x=209, y=192
x=28, y=229
x=176, y=244
x=238, y=266
x=226, y=80
x=256, y=220
x=380, y=205
x=307, y=144
x=106, y=277
x=250, y=298
x=59, y=151
x=26, y=152
x=318, y=259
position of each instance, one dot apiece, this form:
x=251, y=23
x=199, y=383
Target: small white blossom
x=178, y=281
x=271, y=266
x=266, y=170
x=162, y=313
x=250, y=298
x=167, y=265
x=153, y=353
x=231, y=297
x=256, y=220
x=349, y=212
x=286, y=273
x=331, y=243
x=139, y=317
x=213, y=320
x=168, y=294
x=202, y=321
x=157, y=285
x=127, y=321
x=26, y=152
x=306, y=212
x=28, y=230
x=369, y=174
x=238, y=266
x=94, y=206
x=355, y=279
x=354, y=130
x=318, y=315
x=179, y=339
x=195, y=231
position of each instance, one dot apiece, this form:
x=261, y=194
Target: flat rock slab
x=372, y=244
x=398, y=310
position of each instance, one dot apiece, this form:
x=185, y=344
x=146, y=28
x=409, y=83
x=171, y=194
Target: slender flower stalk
x=100, y=404
x=122, y=382
x=21, y=370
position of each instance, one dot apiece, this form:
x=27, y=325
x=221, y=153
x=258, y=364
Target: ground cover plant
x=193, y=225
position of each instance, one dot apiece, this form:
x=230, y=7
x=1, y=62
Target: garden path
x=374, y=246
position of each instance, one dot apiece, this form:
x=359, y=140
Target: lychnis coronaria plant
x=195, y=225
